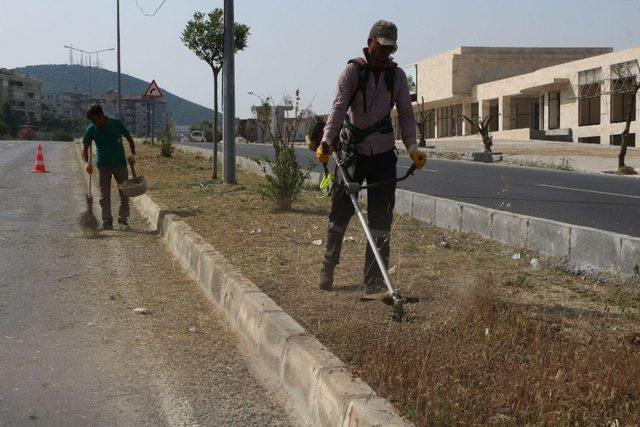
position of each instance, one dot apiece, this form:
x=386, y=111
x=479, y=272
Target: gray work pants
x=380, y=203
x=120, y=174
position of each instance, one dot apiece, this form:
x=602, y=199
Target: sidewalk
x=582, y=157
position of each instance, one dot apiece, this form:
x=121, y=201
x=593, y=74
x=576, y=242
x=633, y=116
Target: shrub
x=4, y=129
x=166, y=139
x=284, y=179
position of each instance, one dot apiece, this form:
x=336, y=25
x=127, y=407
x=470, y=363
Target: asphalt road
x=72, y=350
x=594, y=200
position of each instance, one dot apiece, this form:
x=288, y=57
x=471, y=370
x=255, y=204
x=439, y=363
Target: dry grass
x=492, y=340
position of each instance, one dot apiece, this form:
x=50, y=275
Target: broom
x=87, y=220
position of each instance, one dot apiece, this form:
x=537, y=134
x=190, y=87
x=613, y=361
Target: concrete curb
x=322, y=390
x=581, y=248
x=320, y=386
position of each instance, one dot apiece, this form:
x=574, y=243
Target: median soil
x=493, y=340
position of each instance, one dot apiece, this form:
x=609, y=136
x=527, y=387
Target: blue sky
x=298, y=44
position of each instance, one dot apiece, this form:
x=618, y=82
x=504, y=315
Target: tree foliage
x=204, y=35
x=12, y=119
x=52, y=122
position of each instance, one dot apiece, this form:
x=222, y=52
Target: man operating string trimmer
x=368, y=89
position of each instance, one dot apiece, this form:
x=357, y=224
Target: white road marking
x=589, y=191
x=11, y=145
x=421, y=170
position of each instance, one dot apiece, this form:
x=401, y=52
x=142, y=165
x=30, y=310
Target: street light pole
x=228, y=95
x=119, y=101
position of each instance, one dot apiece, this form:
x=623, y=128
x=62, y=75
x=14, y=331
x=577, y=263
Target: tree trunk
x=422, y=142
x=625, y=133
x=215, y=125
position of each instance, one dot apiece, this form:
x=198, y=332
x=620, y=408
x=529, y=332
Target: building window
x=623, y=78
x=617, y=140
x=450, y=121
x=589, y=97
x=554, y=110
x=494, y=110
x=475, y=108
x=589, y=140
x=430, y=125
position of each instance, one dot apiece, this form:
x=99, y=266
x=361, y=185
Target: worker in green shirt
x=107, y=133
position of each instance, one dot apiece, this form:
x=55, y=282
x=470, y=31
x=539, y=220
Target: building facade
x=22, y=92
x=137, y=111
x=570, y=94
x=67, y=104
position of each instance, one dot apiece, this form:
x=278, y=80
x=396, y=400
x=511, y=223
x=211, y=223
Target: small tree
x=204, y=35
x=4, y=129
x=166, y=139
x=12, y=119
x=622, y=168
x=423, y=116
x=285, y=180
x=483, y=128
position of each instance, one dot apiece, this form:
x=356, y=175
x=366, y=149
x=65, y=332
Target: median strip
x=492, y=319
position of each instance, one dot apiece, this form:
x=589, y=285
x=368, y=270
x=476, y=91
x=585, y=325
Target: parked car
x=197, y=136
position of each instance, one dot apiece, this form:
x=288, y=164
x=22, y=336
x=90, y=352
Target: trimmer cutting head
x=397, y=304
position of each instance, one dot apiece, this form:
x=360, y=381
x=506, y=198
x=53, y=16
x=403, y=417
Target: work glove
x=323, y=152
x=131, y=159
x=88, y=168
x=419, y=158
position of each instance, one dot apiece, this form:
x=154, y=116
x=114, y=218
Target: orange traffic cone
x=39, y=167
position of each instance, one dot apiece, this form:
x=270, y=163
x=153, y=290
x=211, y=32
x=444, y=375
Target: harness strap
x=383, y=126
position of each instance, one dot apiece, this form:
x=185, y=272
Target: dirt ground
x=492, y=340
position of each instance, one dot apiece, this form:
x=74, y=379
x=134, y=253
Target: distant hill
x=75, y=78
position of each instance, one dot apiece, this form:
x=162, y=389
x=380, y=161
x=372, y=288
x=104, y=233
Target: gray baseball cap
x=385, y=32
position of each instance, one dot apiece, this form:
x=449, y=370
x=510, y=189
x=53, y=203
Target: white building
x=573, y=94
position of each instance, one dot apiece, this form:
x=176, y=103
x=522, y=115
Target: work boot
x=326, y=276
x=123, y=224
x=374, y=286
x=107, y=224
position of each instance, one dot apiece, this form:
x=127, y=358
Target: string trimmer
x=392, y=296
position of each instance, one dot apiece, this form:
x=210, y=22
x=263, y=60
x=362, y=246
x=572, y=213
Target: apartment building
x=22, y=92
x=68, y=104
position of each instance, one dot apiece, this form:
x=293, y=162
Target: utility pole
x=228, y=95
x=119, y=99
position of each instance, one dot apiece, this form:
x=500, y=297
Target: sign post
x=153, y=92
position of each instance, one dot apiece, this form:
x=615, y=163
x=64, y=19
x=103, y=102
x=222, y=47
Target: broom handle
x=90, y=155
